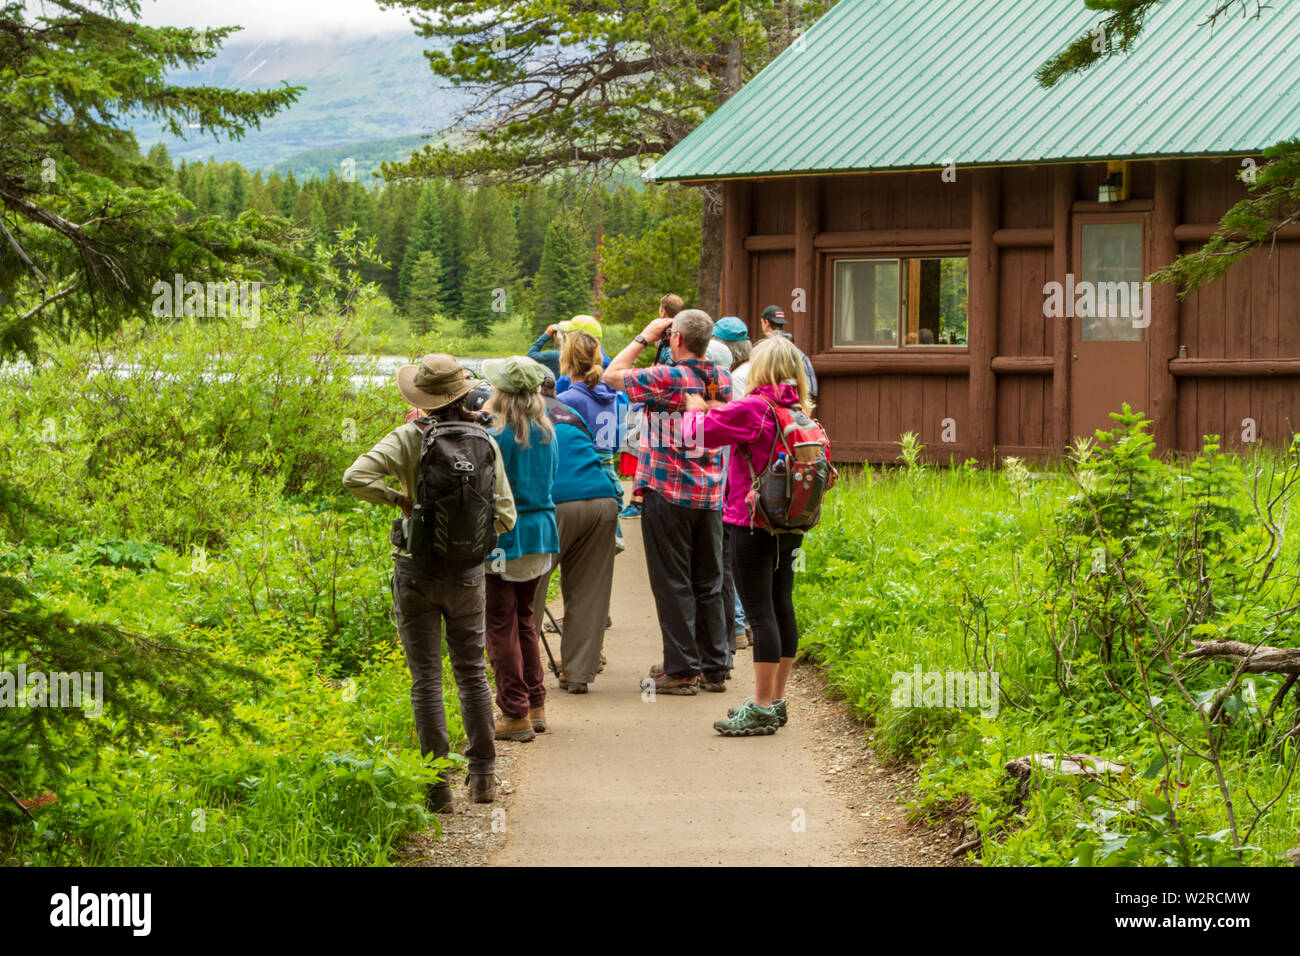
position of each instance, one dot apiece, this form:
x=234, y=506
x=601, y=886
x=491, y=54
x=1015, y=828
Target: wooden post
x=1162, y=333
x=982, y=333
x=1062, y=332
x=735, y=258
x=806, y=335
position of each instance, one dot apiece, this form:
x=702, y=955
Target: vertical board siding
x=1252, y=313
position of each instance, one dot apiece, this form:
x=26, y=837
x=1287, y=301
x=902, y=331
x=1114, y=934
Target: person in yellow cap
x=551, y=357
x=425, y=592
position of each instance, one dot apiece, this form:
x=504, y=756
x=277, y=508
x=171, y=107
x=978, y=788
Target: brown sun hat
x=436, y=381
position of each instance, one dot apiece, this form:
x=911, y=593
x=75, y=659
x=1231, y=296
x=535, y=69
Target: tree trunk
x=710, y=281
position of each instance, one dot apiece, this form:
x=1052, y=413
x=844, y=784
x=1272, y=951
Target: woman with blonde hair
x=528, y=550
x=581, y=360
x=762, y=562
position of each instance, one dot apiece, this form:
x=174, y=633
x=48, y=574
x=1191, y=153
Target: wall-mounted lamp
x=1115, y=186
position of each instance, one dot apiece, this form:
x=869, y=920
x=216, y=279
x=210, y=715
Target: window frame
x=901, y=254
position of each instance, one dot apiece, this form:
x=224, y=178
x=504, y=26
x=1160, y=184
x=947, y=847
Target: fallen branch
x=1258, y=659
x=1070, y=765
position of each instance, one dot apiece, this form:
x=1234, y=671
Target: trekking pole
x=542, y=635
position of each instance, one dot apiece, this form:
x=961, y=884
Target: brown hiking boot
x=742, y=640
x=482, y=787
x=537, y=715
x=678, y=685
x=437, y=798
x=515, y=728
x=572, y=686
x=714, y=683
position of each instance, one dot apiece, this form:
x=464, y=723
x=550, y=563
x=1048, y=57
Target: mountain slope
x=367, y=90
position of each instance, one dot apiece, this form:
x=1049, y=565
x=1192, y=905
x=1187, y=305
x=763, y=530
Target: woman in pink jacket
x=762, y=562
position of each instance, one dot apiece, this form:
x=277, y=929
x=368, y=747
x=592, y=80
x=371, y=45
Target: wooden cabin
x=898, y=182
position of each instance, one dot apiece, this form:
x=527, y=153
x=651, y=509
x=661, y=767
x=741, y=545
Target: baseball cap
x=774, y=315
x=515, y=373
x=730, y=328
x=582, y=323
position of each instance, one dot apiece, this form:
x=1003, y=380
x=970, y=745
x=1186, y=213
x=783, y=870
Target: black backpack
x=454, y=525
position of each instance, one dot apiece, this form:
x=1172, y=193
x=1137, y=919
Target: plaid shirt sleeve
x=647, y=384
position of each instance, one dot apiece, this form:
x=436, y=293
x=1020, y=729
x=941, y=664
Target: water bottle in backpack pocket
x=787, y=495
x=454, y=524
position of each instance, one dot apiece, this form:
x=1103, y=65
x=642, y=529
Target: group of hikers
x=505, y=479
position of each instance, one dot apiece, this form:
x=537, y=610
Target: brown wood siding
x=1251, y=315
x=895, y=201
x=878, y=409
x=773, y=207
x=1024, y=401
x=773, y=283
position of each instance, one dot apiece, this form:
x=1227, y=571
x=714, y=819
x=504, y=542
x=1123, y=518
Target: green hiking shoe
x=748, y=721
x=778, y=705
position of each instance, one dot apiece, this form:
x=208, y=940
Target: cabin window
x=1111, y=264
x=893, y=303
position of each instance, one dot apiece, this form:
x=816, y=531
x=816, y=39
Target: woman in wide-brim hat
x=428, y=596
x=528, y=551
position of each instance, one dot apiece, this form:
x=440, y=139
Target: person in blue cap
x=732, y=332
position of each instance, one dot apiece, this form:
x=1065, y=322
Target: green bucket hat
x=515, y=373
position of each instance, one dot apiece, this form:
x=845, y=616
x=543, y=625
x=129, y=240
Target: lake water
x=370, y=369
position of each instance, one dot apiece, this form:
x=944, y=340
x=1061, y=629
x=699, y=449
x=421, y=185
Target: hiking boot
x=515, y=728
x=714, y=683
x=631, y=511
x=778, y=705
x=537, y=716
x=437, y=798
x=601, y=666
x=482, y=787
x=742, y=639
x=748, y=721
x=573, y=687
x=678, y=685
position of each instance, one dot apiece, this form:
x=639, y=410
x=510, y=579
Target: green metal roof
x=901, y=84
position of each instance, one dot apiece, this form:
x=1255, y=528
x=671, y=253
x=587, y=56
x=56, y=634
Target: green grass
x=907, y=568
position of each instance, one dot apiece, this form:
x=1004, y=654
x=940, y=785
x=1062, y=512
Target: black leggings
x=763, y=564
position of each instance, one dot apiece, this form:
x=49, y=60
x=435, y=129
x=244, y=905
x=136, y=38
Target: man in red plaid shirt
x=682, y=516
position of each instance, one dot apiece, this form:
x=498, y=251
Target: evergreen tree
x=533, y=212
x=289, y=198
x=426, y=236
x=423, y=302
x=478, y=292
x=563, y=282
x=560, y=87
x=159, y=157
x=453, y=245
x=491, y=225
x=237, y=189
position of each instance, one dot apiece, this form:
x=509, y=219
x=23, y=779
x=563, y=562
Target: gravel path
x=621, y=781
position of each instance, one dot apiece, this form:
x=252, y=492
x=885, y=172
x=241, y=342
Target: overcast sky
x=275, y=19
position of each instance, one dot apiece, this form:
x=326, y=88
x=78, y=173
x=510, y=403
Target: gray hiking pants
x=586, y=576
x=422, y=599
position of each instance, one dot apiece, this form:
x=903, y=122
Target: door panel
x=1108, y=335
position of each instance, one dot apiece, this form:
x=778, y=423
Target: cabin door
x=1108, y=308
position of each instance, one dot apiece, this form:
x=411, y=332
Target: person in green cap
x=525, y=552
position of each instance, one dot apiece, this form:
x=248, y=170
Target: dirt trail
x=620, y=781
